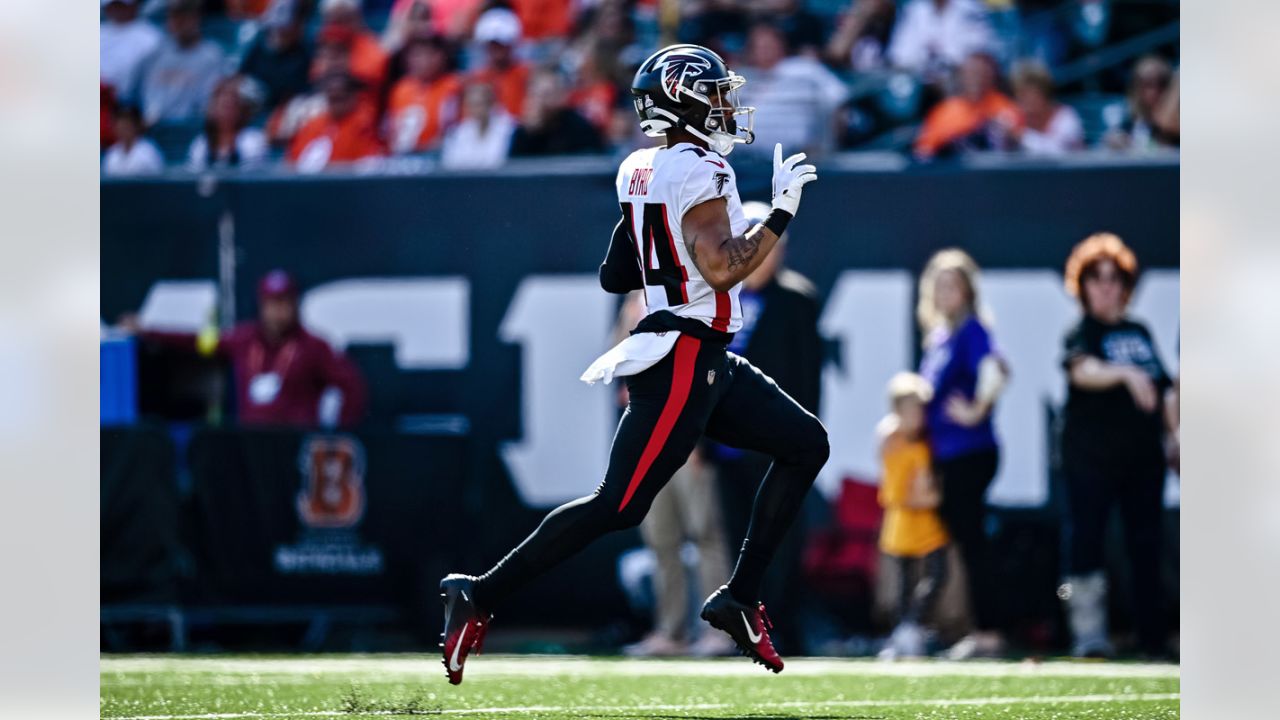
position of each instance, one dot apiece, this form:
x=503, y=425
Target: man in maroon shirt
x=280, y=370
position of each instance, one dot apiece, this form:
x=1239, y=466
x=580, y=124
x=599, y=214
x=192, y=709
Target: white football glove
x=789, y=177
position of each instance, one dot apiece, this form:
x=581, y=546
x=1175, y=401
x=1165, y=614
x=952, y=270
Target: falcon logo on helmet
x=678, y=67
x=690, y=88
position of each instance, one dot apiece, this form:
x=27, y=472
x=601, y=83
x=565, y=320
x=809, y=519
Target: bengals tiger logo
x=332, y=494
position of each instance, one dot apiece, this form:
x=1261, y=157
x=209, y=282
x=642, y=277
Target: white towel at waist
x=636, y=354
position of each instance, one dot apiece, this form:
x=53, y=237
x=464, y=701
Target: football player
x=683, y=240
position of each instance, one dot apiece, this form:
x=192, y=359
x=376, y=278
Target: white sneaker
x=906, y=641
x=655, y=645
x=1086, y=599
x=713, y=644
x=973, y=646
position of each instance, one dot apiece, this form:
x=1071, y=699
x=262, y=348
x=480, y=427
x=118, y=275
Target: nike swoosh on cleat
x=750, y=633
x=453, y=661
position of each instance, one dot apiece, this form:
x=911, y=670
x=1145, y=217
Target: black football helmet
x=689, y=87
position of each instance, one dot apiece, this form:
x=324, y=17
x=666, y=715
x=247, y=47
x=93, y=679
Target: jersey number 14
x=659, y=261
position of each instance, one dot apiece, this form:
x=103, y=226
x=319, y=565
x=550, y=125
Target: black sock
x=564, y=532
x=748, y=573
x=777, y=502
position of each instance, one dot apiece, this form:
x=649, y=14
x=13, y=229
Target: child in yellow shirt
x=911, y=535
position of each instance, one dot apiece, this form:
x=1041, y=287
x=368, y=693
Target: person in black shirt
x=779, y=335
x=1112, y=446
x=549, y=126
x=279, y=57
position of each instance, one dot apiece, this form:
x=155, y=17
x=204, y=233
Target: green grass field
x=497, y=686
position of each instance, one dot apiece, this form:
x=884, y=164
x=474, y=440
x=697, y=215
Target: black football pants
x=1097, y=481
x=697, y=389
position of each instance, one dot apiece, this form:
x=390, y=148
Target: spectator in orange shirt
x=425, y=101
x=499, y=30
x=544, y=19
x=414, y=21
x=345, y=132
x=595, y=95
x=368, y=61
x=977, y=118
x=336, y=52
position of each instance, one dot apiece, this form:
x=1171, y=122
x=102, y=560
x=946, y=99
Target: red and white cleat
x=464, y=624
x=748, y=626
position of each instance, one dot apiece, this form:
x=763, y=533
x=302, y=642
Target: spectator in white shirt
x=934, y=36
x=795, y=97
x=228, y=140
x=178, y=78
x=1049, y=127
x=483, y=138
x=1151, y=90
x=124, y=42
x=132, y=154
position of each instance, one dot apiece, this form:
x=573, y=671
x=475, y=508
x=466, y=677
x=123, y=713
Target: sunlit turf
x=381, y=686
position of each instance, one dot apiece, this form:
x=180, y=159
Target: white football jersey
x=656, y=187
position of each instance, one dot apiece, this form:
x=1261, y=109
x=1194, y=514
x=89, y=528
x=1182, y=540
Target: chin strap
x=683, y=124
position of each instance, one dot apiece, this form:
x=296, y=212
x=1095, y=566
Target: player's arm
x=725, y=259
x=620, y=271
x=722, y=258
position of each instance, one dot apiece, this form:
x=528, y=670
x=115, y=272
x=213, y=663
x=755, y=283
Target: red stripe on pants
x=681, y=381
x=724, y=308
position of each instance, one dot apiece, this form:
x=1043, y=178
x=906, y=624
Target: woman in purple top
x=967, y=374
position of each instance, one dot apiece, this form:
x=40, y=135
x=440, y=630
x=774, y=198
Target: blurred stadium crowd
x=467, y=84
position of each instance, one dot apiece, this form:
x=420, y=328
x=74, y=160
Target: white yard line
x=561, y=665
x=798, y=704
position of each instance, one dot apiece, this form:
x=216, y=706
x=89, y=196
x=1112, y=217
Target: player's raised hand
x=789, y=177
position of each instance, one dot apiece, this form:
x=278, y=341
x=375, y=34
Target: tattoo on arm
x=691, y=244
x=742, y=249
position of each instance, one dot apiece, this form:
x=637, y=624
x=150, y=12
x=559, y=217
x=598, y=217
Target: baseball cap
x=277, y=283
x=498, y=25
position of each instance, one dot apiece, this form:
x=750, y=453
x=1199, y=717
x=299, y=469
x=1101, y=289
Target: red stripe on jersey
x=724, y=310
x=681, y=382
x=684, y=273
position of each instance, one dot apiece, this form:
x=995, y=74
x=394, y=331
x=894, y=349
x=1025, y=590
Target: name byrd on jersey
x=640, y=181
x=656, y=187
